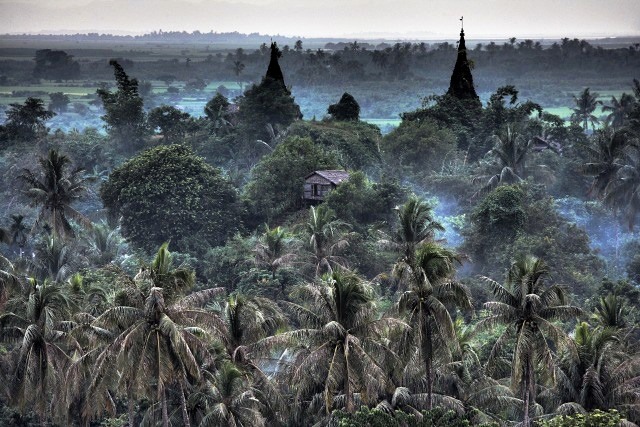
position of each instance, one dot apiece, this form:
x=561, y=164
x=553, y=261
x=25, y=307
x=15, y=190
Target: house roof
x=333, y=176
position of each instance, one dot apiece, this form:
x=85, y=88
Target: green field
x=382, y=122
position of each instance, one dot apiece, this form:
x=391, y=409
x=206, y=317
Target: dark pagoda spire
x=274, y=72
x=461, y=85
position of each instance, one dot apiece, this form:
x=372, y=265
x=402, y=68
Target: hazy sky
x=411, y=18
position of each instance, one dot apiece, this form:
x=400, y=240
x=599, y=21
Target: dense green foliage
x=55, y=65
x=169, y=185
x=360, y=202
x=596, y=418
x=271, y=190
x=25, y=121
x=266, y=109
x=346, y=109
x=379, y=418
x=419, y=147
x=519, y=220
x=355, y=144
x=172, y=123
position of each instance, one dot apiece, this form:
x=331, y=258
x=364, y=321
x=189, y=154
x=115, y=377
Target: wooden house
x=319, y=183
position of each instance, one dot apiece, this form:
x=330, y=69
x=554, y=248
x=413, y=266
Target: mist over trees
x=248, y=265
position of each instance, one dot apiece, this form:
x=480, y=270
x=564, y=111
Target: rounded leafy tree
x=346, y=109
x=170, y=194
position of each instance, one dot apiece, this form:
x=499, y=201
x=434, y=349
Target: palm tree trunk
x=428, y=362
x=347, y=386
x=527, y=392
x=163, y=399
x=183, y=405
x=130, y=407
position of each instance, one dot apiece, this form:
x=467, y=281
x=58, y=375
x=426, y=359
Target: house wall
x=317, y=187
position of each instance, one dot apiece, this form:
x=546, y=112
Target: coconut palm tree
x=416, y=225
x=619, y=110
x=586, y=104
x=8, y=280
x=424, y=306
x=600, y=374
x=54, y=190
x=238, y=68
x=336, y=356
x=271, y=250
x=33, y=323
x=161, y=346
x=527, y=307
x=623, y=192
x=54, y=259
x=226, y=399
x=158, y=340
x=249, y=319
x=175, y=281
x=73, y=403
x=510, y=150
x=611, y=312
x=607, y=156
x=105, y=244
x=326, y=236
x=16, y=234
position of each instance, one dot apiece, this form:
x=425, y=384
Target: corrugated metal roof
x=333, y=176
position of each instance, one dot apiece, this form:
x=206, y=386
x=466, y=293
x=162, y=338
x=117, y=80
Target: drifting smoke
x=608, y=237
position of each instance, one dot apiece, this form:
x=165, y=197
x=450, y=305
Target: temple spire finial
x=462, y=26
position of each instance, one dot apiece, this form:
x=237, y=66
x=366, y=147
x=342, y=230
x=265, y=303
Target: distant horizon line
x=414, y=35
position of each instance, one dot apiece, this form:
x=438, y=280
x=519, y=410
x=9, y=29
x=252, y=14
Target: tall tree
x=424, y=305
x=619, y=110
x=26, y=121
x=599, y=374
x=172, y=123
x=33, y=322
x=124, y=116
x=59, y=102
x=586, y=104
x=158, y=335
x=510, y=150
x=338, y=350
x=605, y=159
x=55, y=65
x=416, y=225
x=54, y=189
x=169, y=193
x=326, y=236
x=527, y=307
x=272, y=250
